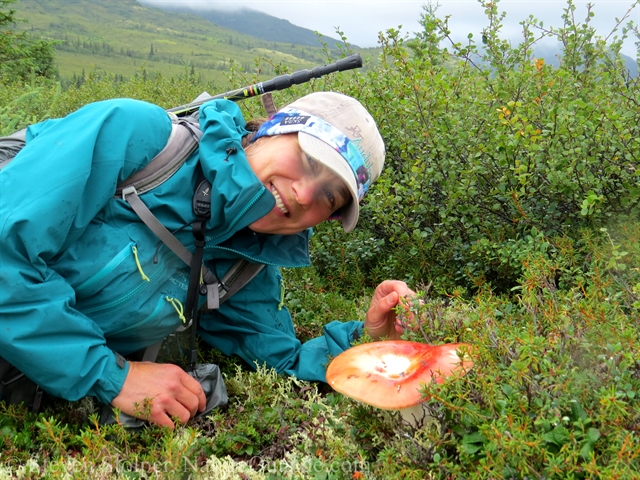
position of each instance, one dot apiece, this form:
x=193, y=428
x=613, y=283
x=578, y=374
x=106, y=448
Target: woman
x=84, y=281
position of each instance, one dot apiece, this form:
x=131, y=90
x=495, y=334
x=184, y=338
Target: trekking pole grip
x=278, y=83
x=303, y=76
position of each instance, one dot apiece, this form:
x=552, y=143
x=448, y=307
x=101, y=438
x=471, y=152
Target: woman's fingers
x=159, y=391
x=195, y=388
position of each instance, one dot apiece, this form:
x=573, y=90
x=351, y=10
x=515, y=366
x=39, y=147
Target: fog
x=361, y=21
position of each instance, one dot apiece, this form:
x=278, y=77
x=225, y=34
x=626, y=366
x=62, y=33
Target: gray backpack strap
x=130, y=195
x=152, y=351
x=240, y=273
x=183, y=141
x=11, y=145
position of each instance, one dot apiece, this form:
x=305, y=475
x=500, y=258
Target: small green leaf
x=586, y=450
x=593, y=434
x=475, y=437
x=472, y=448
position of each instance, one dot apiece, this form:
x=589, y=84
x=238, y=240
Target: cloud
x=361, y=20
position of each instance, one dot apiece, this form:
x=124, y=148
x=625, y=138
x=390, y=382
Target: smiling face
x=306, y=192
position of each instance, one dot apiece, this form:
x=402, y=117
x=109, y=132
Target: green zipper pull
x=135, y=255
x=178, y=307
x=281, y=304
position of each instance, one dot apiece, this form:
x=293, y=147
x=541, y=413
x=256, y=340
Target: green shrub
x=554, y=389
x=21, y=56
x=488, y=148
x=23, y=104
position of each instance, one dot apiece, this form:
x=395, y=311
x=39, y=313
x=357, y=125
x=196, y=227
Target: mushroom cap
x=388, y=374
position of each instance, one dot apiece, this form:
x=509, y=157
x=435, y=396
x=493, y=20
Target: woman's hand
x=159, y=391
x=381, y=319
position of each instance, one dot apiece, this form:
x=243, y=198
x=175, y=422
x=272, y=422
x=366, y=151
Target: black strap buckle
x=202, y=200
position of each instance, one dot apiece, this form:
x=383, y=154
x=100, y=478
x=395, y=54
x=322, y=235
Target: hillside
x=124, y=37
x=255, y=23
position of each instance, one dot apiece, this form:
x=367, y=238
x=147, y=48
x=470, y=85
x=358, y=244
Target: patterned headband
x=291, y=120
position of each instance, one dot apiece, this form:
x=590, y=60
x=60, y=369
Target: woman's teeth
x=279, y=203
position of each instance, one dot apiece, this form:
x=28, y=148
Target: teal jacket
x=81, y=277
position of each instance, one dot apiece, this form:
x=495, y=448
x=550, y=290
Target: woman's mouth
x=279, y=202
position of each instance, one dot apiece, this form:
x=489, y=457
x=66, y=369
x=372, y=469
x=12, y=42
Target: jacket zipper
x=162, y=302
x=106, y=270
x=158, y=272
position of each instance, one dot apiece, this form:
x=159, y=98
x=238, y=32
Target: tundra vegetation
x=510, y=201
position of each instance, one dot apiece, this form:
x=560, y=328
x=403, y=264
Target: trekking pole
x=278, y=83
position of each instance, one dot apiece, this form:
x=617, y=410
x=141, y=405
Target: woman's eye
x=331, y=199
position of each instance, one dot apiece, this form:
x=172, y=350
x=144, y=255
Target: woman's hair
x=252, y=126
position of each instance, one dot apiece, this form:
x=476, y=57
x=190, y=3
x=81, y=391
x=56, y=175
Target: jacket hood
x=245, y=198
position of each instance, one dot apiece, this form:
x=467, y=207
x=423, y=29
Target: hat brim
x=330, y=158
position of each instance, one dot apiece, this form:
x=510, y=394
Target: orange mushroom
x=389, y=374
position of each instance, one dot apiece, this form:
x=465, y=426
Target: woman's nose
x=304, y=191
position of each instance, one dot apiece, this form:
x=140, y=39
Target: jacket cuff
x=340, y=335
x=109, y=385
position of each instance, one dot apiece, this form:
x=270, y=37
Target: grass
x=72, y=64
x=542, y=356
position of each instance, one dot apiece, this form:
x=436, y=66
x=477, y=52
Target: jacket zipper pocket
x=126, y=297
x=162, y=302
x=106, y=270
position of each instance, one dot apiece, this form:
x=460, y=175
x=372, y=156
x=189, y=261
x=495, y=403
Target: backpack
x=185, y=135
x=11, y=145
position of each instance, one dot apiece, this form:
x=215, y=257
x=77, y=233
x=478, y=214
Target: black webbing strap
x=202, y=209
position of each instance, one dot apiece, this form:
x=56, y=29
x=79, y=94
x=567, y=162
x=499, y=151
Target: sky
x=361, y=20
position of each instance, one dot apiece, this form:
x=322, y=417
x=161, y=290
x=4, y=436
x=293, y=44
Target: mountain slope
x=254, y=23
x=125, y=37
